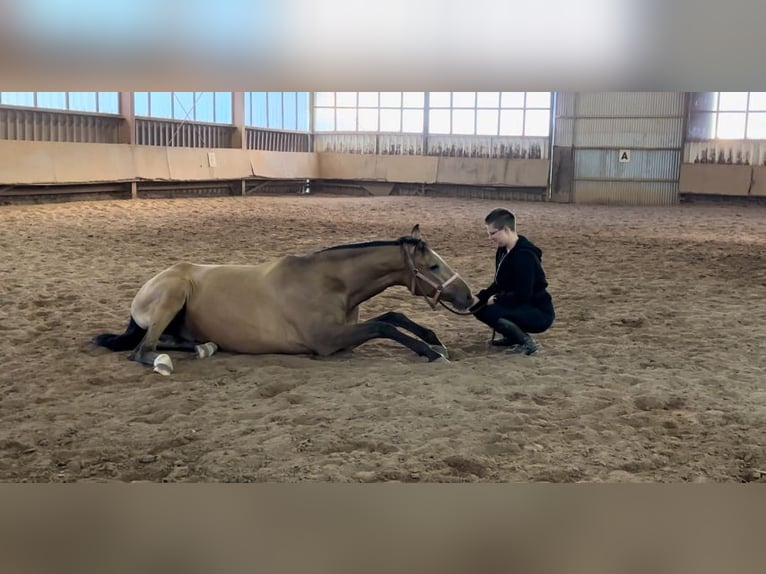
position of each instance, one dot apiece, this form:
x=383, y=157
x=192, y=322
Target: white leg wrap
x=206, y=350
x=163, y=365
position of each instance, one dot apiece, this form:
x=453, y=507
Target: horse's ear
x=416, y=231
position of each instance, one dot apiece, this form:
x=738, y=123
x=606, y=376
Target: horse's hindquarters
x=234, y=330
x=243, y=318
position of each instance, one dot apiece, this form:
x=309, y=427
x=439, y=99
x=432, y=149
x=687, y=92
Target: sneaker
x=516, y=349
x=530, y=346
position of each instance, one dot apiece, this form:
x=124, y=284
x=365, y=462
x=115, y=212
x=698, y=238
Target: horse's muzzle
x=458, y=294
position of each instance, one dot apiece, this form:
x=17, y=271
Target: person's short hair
x=501, y=217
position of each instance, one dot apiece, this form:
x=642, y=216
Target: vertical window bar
x=475, y=113
x=451, y=108
x=524, y=116
x=717, y=109
x=717, y=117
x=499, y=110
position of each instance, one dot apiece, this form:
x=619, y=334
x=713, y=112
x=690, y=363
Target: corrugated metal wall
x=441, y=145
x=55, y=126
x=598, y=125
x=645, y=165
x=174, y=133
x=401, y=144
x=565, y=119
x=504, y=147
x=275, y=140
x=737, y=152
x=346, y=143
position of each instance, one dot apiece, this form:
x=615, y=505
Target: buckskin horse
x=297, y=304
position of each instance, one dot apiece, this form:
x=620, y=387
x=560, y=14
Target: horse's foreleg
x=350, y=336
x=401, y=320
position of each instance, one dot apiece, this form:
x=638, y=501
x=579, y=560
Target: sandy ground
x=654, y=370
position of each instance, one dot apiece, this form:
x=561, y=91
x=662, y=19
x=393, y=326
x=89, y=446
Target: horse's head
x=431, y=276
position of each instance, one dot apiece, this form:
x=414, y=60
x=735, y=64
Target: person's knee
x=540, y=325
x=484, y=316
x=486, y=319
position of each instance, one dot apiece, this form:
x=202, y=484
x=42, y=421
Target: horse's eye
x=434, y=267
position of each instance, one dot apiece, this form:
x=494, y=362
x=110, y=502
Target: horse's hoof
x=163, y=365
x=441, y=359
x=206, y=350
x=441, y=350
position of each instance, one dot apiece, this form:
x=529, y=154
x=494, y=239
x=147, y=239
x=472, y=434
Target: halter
x=416, y=274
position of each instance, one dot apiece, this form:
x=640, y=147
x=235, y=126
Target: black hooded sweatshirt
x=519, y=278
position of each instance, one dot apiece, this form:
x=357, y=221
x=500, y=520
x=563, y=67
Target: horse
x=296, y=304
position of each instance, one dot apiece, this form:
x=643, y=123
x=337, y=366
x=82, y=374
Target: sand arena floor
x=653, y=371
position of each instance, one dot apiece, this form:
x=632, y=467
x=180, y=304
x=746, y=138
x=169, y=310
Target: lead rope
x=462, y=313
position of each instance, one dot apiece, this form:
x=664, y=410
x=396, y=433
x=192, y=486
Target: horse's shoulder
x=295, y=259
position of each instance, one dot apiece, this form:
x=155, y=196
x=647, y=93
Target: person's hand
x=475, y=303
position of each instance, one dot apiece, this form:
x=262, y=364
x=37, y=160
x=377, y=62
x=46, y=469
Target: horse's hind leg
x=401, y=320
x=157, y=315
x=168, y=342
x=177, y=338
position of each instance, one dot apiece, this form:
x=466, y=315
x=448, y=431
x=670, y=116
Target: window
x=277, y=110
x=212, y=107
x=727, y=115
x=98, y=102
x=392, y=112
x=490, y=113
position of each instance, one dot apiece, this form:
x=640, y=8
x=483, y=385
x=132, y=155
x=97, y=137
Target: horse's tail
x=128, y=340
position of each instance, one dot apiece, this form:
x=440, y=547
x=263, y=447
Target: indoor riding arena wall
x=653, y=370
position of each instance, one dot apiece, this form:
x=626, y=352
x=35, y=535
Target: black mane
x=383, y=243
